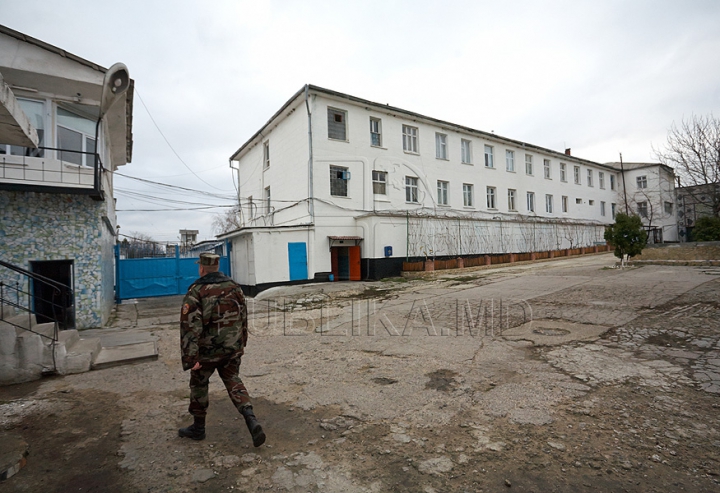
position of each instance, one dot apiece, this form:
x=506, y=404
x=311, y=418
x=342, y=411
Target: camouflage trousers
x=228, y=370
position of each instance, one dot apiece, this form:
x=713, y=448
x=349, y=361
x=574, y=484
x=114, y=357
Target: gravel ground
x=558, y=376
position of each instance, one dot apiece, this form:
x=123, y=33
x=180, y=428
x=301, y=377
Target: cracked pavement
x=553, y=376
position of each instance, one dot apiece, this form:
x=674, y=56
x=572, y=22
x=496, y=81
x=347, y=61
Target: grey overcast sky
x=601, y=77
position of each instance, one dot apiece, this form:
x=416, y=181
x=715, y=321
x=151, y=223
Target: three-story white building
x=337, y=184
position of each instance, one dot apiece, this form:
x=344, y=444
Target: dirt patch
x=442, y=380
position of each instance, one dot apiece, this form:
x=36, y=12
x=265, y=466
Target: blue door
x=297, y=260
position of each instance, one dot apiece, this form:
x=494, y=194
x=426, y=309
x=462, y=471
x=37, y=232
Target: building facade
x=68, y=126
x=334, y=184
x=648, y=190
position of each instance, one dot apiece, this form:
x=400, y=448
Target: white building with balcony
x=335, y=184
x=65, y=126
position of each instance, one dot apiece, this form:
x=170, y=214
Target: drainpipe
x=311, y=203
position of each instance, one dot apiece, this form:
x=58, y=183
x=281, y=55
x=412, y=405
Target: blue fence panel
x=150, y=277
x=144, y=277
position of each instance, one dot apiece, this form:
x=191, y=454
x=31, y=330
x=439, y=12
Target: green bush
x=626, y=235
x=707, y=229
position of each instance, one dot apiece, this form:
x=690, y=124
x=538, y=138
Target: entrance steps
x=27, y=350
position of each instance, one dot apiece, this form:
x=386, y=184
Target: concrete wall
x=35, y=226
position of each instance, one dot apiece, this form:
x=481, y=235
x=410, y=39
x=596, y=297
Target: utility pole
x=622, y=170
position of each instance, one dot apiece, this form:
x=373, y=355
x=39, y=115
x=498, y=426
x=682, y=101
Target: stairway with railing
x=37, y=335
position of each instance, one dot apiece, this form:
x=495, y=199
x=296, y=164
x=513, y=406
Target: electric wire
x=170, y=145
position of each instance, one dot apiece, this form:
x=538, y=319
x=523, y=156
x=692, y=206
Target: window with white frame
x=337, y=128
x=411, y=189
x=668, y=208
x=564, y=202
x=590, y=178
x=441, y=146
x=510, y=160
x=591, y=202
x=410, y=138
x=339, y=177
x=379, y=179
x=546, y=169
x=548, y=203
x=642, y=208
x=511, y=199
x=612, y=182
x=578, y=201
x=489, y=163
x=466, y=151
x=375, y=132
x=266, y=154
x=75, y=138
x=563, y=172
x=468, y=195
x=530, y=201
x=576, y=174
x=35, y=111
x=641, y=181
x=267, y=200
x=602, y=208
x=601, y=180
x=442, y=192
x=528, y=164
x=491, y=197
x=613, y=209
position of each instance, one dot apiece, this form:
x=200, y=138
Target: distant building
x=649, y=189
x=695, y=202
x=188, y=236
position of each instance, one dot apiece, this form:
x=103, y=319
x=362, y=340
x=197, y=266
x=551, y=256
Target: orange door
x=354, y=254
x=334, y=262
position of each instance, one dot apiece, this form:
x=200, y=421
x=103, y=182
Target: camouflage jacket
x=213, y=321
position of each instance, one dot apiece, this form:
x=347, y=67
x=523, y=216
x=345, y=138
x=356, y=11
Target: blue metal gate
x=163, y=276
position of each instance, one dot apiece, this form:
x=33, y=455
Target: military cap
x=209, y=259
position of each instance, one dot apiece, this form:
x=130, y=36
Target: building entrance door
x=53, y=301
x=345, y=262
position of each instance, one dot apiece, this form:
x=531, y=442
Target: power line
x=170, y=145
x=177, y=187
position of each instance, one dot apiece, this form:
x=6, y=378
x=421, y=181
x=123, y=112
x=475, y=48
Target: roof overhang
x=15, y=128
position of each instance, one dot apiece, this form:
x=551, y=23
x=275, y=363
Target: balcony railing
x=53, y=170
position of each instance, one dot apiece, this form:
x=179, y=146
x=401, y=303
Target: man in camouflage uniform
x=213, y=334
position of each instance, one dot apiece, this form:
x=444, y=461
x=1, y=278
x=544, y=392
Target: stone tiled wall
x=37, y=226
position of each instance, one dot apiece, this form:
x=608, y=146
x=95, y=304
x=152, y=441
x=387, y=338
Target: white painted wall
x=660, y=189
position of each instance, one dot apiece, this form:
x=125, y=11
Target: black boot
x=258, y=435
x=196, y=431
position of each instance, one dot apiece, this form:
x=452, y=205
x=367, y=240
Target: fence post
x=177, y=270
x=117, y=273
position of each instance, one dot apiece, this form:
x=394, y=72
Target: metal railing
x=48, y=166
x=15, y=300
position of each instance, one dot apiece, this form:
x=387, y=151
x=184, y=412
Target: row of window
x=337, y=130
x=75, y=135
x=339, y=177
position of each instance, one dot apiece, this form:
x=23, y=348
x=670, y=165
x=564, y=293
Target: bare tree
x=693, y=149
x=227, y=221
x=140, y=245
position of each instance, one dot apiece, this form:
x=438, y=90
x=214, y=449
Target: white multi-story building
x=337, y=184
x=648, y=190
